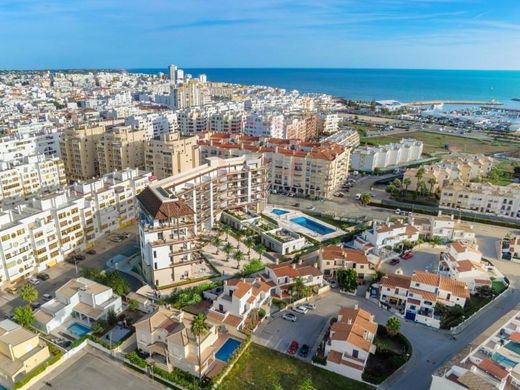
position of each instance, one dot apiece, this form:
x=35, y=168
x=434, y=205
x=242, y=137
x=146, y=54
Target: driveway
x=425, y=258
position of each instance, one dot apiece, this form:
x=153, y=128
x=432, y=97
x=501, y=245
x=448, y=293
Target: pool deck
x=285, y=222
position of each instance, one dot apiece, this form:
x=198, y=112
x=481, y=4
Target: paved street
x=87, y=371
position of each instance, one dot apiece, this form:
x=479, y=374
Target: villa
x=21, y=351
x=239, y=299
x=165, y=335
x=332, y=257
x=463, y=261
x=282, y=276
x=82, y=300
x=282, y=240
x=386, y=235
x=444, y=227
x=350, y=342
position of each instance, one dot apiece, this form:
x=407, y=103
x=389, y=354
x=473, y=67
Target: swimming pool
x=279, y=211
x=502, y=360
x=78, y=330
x=512, y=346
x=312, y=225
x=228, y=348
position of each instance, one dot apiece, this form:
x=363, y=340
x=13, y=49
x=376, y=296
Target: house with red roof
x=386, y=234
x=333, y=257
x=282, y=276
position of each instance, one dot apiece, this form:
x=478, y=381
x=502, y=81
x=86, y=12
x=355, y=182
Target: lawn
x=434, y=143
x=263, y=368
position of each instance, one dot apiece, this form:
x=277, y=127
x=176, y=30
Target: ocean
x=405, y=85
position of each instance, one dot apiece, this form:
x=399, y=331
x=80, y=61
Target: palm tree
x=397, y=183
x=365, y=198
x=250, y=243
x=238, y=256
x=432, y=181
x=420, y=173
x=216, y=241
x=228, y=248
x=406, y=182
x=260, y=249
x=238, y=236
x=226, y=229
x=199, y=327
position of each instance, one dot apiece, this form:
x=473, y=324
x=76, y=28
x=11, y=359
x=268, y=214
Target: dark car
x=394, y=262
x=35, y=305
x=43, y=276
x=304, y=350
x=79, y=257
x=91, y=252
x=71, y=260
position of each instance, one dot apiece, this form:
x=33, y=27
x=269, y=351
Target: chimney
x=315, y=265
x=300, y=261
x=277, y=261
x=293, y=265
x=356, y=306
x=349, y=321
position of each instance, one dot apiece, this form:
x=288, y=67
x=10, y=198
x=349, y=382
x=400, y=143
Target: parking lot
x=277, y=333
x=425, y=258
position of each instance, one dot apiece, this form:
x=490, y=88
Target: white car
x=289, y=317
x=301, y=309
x=358, y=196
x=310, y=306
x=34, y=281
x=47, y=297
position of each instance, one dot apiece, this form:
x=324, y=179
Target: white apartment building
x=350, y=342
x=175, y=210
x=193, y=121
x=154, y=124
x=15, y=147
x=482, y=198
x=265, y=124
x=328, y=123
x=368, y=158
x=348, y=138
x=29, y=175
x=81, y=300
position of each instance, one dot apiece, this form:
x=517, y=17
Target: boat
x=517, y=99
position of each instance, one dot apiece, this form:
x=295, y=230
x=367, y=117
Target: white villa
x=386, y=234
x=80, y=299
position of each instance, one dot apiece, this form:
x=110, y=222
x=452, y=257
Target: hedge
x=56, y=355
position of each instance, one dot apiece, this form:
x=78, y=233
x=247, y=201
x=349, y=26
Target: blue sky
x=442, y=34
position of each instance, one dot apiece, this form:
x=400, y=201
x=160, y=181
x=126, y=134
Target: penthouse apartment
x=414, y=297
x=79, y=300
x=332, y=258
x=350, y=342
x=29, y=175
x=459, y=169
x=239, y=300
x=175, y=210
x=171, y=155
x=481, y=198
x=78, y=151
x=369, y=158
x=302, y=168
x=21, y=351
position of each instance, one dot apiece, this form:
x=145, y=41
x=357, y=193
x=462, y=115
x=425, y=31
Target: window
x=355, y=353
x=154, y=254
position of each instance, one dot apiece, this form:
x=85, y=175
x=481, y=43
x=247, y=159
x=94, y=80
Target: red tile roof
x=334, y=252
x=163, y=209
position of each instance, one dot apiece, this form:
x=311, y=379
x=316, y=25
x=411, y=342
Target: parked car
x=91, y=252
x=34, y=281
x=394, y=261
x=333, y=283
x=358, y=196
x=301, y=309
x=79, y=257
x=293, y=348
x=407, y=255
x=311, y=208
x=289, y=317
x=71, y=260
x=11, y=290
x=35, y=305
x=296, y=204
x=398, y=211
x=304, y=350
x=310, y=306
x=43, y=276
x=46, y=297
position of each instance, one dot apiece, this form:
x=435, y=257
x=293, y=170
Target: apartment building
x=369, y=158
x=459, y=169
x=121, y=147
x=175, y=210
x=239, y=299
x=300, y=127
x=346, y=137
x=21, y=351
x=171, y=155
x=166, y=336
x=154, y=124
x=80, y=300
x=79, y=153
x=189, y=94
x=28, y=176
x=328, y=123
x=229, y=121
x=302, y=168
x=482, y=198
x=415, y=296
x=193, y=121
x=350, y=342
x=386, y=234
x=265, y=124
x=463, y=261
x=444, y=226
x=282, y=277
x=331, y=258
x=16, y=147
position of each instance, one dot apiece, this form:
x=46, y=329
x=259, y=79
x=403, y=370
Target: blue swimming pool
x=512, y=346
x=279, y=211
x=312, y=225
x=78, y=330
x=502, y=360
x=228, y=348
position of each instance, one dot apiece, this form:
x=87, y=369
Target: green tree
x=406, y=183
x=393, y=325
x=226, y=229
x=347, y=279
x=199, y=327
x=422, y=188
x=307, y=385
x=420, y=173
x=228, y=248
x=260, y=249
x=391, y=189
x=300, y=289
x=133, y=305
x=116, y=282
x=397, y=183
x=432, y=181
x=239, y=236
x=250, y=243
x=238, y=255
x=111, y=317
x=24, y=316
x=365, y=199
x=28, y=293
x=216, y=242
x=98, y=327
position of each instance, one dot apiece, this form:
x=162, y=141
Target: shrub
x=279, y=302
x=252, y=267
x=136, y=359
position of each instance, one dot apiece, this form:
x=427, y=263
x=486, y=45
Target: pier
x=461, y=102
